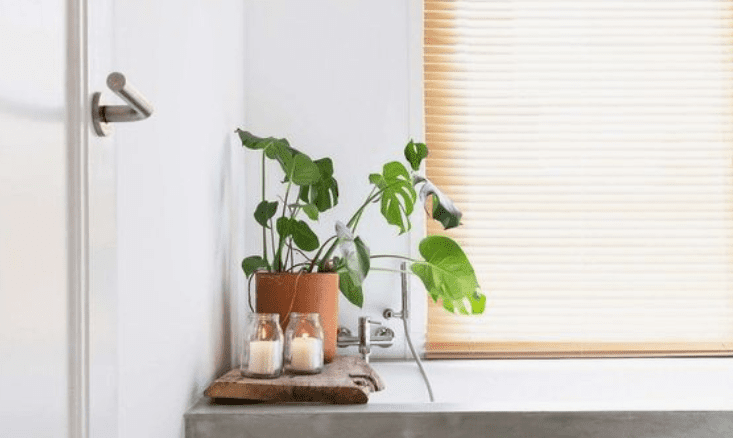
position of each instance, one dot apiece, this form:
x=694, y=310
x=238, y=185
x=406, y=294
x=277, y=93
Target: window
x=589, y=144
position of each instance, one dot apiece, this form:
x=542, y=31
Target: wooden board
x=346, y=380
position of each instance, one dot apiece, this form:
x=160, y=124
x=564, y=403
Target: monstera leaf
x=265, y=211
x=274, y=148
x=324, y=193
x=440, y=207
x=311, y=211
x=252, y=264
x=415, y=153
x=353, y=265
x=298, y=167
x=350, y=287
x=303, y=171
x=448, y=275
x=253, y=142
x=354, y=252
x=303, y=237
x=398, y=195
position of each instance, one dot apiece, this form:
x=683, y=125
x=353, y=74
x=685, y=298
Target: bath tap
x=383, y=337
x=405, y=291
x=404, y=315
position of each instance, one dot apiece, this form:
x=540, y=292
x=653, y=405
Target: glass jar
x=304, y=344
x=263, y=346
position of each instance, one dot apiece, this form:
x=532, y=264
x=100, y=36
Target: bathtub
x=670, y=384
x=599, y=398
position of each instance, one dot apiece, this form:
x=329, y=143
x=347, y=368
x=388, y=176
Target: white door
x=58, y=355
x=34, y=325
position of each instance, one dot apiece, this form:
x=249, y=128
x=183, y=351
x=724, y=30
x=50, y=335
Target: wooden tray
x=346, y=380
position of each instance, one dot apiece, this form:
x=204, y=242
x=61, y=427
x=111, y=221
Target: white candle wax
x=306, y=353
x=265, y=357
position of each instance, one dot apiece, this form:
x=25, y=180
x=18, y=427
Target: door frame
x=77, y=177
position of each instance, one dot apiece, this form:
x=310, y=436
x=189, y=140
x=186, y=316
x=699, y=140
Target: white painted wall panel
x=33, y=281
x=177, y=220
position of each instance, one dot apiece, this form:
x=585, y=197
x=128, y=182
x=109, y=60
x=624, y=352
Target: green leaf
x=363, y=256
x=343, y=232
x=448, y=275
x=443, y=209
x=325, y=192
x=353, y=267
x=303, y=237
x=325, y=166
x=303, y=170
x=274, y=148
x=398, y=195
x=296, y=165
x=253, y=142
x=415, y=153
x=252, y=264
x=264, y=212
x=284, y=227
x=354, y=253
x=350, y=288
x=478, y=303
x=311, y=211
x=281, y=151
x=377, y=180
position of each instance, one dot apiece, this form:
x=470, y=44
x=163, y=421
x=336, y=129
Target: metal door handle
x=137, y=108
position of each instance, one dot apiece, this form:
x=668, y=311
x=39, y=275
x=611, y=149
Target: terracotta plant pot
x=284, y=292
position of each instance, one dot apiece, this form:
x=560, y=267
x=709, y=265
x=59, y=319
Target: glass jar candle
x=304, y=344
x=263, y=346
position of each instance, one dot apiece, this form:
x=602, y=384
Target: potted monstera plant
x=298, y=272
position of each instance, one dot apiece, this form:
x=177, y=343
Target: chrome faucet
x=383, y=337
x=404, y=314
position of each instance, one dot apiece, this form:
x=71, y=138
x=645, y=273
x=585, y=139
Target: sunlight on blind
x=588, y=144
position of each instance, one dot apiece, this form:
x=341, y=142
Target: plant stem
x=293, y=213
x=278, y=262
x=389, y=270
x=304, y=255
x=285, y=259
x=353, y=221
x=264, y=229
x=318, y=254
x=285, y=201
x=281, y=243
x=296, y=265
x=385, y=256
x=355, y=218
x=292, y=257
x=272, y=237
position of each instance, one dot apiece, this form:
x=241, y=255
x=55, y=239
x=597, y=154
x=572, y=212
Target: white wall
x=177, y=226
x=33, y=203
x=336, y=79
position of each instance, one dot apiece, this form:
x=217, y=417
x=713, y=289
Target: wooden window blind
x=589, y=145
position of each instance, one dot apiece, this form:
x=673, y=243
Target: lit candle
x=265, y=357
x=306, y=353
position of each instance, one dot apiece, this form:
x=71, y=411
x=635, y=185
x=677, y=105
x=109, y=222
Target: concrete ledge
x=442, y=420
